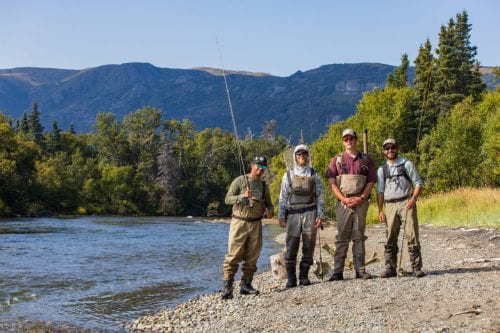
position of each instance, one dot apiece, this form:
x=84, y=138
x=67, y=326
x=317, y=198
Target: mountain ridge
x=312, y=99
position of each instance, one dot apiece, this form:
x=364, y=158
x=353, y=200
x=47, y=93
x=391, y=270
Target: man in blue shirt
x=398, y=186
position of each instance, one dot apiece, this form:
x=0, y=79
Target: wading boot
x=291, y=276
x=390, y=256
x=362, y=274
x=227, y=291
x=336, y=277
x=417, y=272
x=388, y=273
x=303, y=276
x=246, y=287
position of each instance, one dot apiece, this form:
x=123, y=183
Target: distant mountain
x=305, y=100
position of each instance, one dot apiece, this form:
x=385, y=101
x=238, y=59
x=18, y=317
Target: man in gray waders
x=351, y=176
x=250, y=198
x=399, y=186
x=301, y=212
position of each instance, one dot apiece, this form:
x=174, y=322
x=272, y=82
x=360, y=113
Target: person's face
x=391, y=152
x=258, y=169
x=302, y=158
x=349, y=142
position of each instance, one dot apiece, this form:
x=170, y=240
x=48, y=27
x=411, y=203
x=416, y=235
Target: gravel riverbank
x=459, y=294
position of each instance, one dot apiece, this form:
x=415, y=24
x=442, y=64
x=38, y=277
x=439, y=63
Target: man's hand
x=381, y=217
x=318, y=223
x=282, y=222
x=411, y=203
x=249, y=193
x=268, y=214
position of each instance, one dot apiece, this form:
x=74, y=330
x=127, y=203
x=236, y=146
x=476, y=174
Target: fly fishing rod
x=238, y=145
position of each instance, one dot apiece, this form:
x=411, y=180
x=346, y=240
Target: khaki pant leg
x=344, y=229
x=392, y=227
x=412, y=237
x=253, y=248
x=358, y=235
x=393, y=224
x=411, y=225
x=236, y=248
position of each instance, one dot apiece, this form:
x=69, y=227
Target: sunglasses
x=261, y=166
x=302, y=154
x=390, y=148
x=348, y=138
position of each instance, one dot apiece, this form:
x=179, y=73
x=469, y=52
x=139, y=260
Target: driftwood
x=475, y=310
x=278, y=266
x=374, y=258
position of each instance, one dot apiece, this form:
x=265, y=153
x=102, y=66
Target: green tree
x=53, y=140
x=399, y=78
x=423, y=85
x=24, y=125
x=35, y=125
x=110, y=141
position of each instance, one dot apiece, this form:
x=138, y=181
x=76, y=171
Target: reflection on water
x=99, y=272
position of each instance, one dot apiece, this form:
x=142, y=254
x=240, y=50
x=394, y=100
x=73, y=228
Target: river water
x=101, y=272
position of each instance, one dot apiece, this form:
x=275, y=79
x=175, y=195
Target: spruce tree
x=423, y=83
x=399, y=78
x=54, y=145
x=455, y=74
x=35, y=126
x=24, y=125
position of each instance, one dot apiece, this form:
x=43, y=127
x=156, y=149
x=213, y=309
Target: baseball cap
x=349, y=131
x=390, y=141
x=260, y=160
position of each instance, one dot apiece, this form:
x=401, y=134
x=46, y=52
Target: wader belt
x=247, y=219
x=300, y=210
x=396, y=200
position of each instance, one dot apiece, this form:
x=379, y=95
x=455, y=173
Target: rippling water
x=101, y=272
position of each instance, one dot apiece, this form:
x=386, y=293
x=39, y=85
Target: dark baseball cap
x=260, y=160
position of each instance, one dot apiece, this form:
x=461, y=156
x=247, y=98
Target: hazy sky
x=274, y=36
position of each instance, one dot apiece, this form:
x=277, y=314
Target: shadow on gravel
x=463, y=270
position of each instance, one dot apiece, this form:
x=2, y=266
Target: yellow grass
x=466, y=207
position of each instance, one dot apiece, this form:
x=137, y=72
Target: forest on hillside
x=445, y=121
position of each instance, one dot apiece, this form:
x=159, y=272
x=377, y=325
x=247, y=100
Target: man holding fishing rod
x=301, y=212
x=251, y=201
x=399, y=186
x=351, y=176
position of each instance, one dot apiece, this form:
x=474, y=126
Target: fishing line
x=238, y=145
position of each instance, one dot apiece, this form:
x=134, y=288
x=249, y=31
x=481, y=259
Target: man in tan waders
x=351, y=176
x=399, y=186
x=301, y=212
x=251, y=200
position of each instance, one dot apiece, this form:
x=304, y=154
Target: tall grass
x=465, y=207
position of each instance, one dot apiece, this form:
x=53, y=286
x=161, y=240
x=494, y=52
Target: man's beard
x=395, y=156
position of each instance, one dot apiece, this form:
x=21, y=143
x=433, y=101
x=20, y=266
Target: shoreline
x=459, y=294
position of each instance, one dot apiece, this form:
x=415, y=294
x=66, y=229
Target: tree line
x=444, y=120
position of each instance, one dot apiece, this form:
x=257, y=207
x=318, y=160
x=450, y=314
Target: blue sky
x=274, y=36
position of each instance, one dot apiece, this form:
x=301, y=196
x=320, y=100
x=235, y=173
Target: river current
x=102, y=272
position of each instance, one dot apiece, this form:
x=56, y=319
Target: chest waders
x=300, y=216
x=401, y=271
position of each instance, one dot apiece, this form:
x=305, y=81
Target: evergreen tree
x=399, y=78
x=54, y=143
x=425, y=118
x=35, y=126
x=24, y=125
x=455, y=74
x=72, y=129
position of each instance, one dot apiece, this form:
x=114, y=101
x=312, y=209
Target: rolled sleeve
x=380, y=180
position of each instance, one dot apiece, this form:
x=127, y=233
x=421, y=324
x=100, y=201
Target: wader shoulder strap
x=400, y=171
